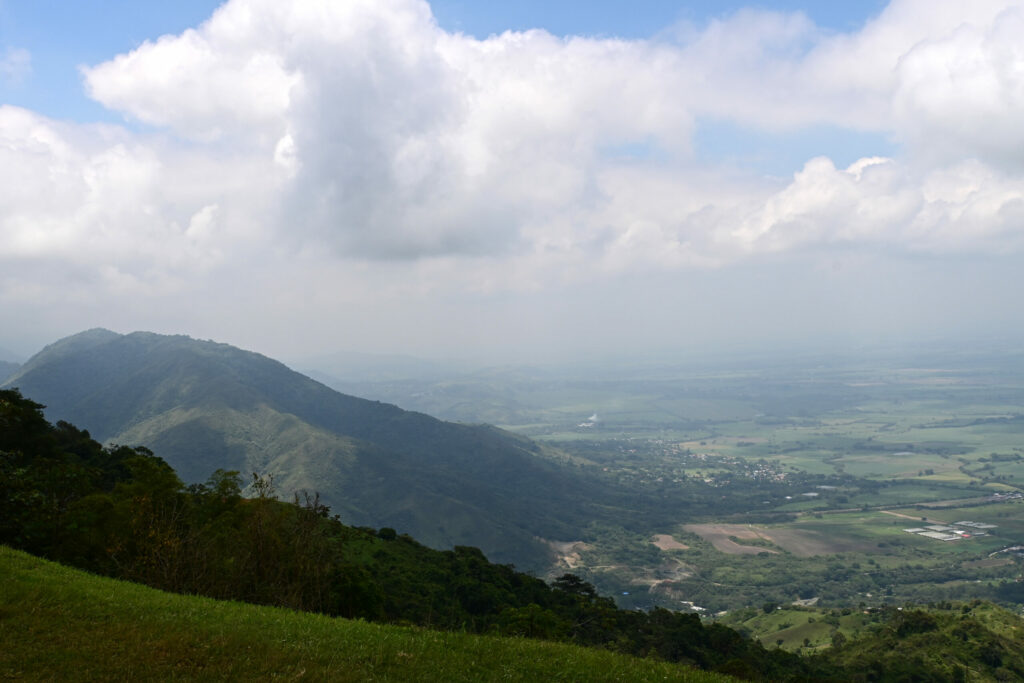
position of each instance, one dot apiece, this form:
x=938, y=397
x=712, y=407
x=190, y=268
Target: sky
x=512, y=181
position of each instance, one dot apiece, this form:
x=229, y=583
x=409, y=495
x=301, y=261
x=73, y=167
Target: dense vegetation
x=947, y=643
x=941, y=638
x=123, y=512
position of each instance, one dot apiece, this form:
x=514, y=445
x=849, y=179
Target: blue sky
x=640, y=19
x=61, y=36
x=646, y=174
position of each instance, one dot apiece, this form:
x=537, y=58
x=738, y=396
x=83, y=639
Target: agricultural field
x=816, y=492
x=836, y=560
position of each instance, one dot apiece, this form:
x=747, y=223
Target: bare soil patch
x=718, y=535
x=800, y=542
x=667, y=542
x=568, y=552
x=807, y=543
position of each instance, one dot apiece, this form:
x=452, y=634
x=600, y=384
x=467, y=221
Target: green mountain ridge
x=202, y=405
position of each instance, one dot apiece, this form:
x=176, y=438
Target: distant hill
x=202, y=405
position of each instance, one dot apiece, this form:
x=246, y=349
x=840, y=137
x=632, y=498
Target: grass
x=793, y=626
x=58, y=623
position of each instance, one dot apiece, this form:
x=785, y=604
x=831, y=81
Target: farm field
x=917, y=447
x=841, y=559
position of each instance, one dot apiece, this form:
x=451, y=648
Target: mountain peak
x=63, y=348
x=85, y=339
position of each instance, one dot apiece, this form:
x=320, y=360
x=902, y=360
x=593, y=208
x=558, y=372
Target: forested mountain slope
x=203, y=406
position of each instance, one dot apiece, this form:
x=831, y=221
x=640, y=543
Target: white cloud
x=107, y=202
x=403, y=141
x=962, y=93
x=966, y=207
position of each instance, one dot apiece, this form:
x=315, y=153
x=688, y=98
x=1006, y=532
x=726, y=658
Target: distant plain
x=810, y=456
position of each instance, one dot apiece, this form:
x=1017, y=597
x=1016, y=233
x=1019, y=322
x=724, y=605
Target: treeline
x=123, y=512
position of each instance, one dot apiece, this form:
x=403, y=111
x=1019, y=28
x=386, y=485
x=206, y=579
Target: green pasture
x=62, y=624
x=920, y=490
x=815, y=634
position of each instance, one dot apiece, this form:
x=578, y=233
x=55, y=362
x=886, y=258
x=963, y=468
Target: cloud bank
x=359, y=149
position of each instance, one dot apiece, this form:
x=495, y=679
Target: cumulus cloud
x=402, y=140
x=338, y=138
x=965, y=207
x=117, y=209
x=962, y=93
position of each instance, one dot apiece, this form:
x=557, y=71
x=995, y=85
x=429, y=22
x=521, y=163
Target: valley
x=778, y=480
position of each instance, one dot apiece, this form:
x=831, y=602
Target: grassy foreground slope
x=61, y=623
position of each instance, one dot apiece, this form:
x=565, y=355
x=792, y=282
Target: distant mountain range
x=202, y=406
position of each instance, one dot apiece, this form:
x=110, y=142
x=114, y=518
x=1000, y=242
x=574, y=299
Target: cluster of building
x=954, y=532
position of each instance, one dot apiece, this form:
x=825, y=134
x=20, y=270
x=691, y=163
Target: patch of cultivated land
x=719, y=535
x=799, y=542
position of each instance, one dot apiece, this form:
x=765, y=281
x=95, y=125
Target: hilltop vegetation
x=949, y=642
